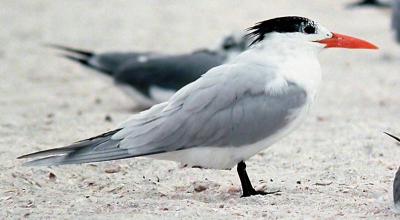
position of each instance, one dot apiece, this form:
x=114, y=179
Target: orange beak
x=343, y=41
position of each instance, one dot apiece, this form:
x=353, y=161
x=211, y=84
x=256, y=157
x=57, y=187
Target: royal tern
x=230, y=113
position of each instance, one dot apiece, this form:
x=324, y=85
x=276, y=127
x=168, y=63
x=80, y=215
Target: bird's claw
x=259, y=192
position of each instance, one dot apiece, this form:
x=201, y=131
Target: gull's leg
x=247, y=188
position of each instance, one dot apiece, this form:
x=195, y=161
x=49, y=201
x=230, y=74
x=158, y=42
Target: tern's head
x=303, y=30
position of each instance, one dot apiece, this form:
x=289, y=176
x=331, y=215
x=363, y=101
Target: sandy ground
x=337, y=165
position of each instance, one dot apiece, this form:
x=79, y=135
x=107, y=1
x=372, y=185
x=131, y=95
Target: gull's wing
x=231, y=105
x=167, y=72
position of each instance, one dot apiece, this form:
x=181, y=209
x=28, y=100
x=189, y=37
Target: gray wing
x=228, y=106
x=220, y=110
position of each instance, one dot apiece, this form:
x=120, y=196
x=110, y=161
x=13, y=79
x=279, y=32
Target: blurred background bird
x=396, y=19
x=153, y=77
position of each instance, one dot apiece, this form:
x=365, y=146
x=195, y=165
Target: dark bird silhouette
x=396, y=182
x=396, y=19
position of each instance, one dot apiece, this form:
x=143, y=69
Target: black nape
x=288, y=24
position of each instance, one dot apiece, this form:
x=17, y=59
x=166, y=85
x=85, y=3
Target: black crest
x=281, y=25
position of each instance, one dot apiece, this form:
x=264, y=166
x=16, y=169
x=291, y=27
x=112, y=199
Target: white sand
x=343, y=162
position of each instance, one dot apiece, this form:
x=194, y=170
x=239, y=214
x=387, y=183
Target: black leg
x=247, y=188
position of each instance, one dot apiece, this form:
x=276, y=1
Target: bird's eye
x=309, y=29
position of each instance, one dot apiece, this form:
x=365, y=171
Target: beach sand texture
x=338, y=164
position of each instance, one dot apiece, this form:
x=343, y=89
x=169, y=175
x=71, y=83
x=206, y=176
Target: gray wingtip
x=48, y=152
x=25, y=156
x=47, y=161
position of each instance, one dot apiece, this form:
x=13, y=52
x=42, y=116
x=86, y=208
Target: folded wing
x=228, y=106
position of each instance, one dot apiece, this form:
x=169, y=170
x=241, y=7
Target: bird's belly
x=224, y=157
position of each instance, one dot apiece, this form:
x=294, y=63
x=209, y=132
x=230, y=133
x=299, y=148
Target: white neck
x=293, y=59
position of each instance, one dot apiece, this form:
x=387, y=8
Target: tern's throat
x=287, y=47
x=294, y=60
